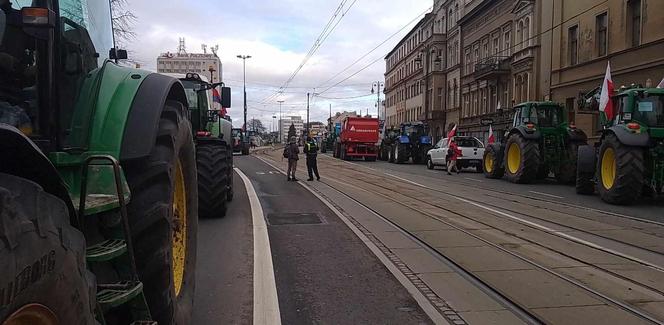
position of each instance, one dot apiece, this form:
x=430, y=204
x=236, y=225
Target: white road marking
x=546, y=194
x=266, y=301
x=474, y=180
x=260, y=173
x=421, y=300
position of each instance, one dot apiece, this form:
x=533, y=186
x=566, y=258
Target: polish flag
x=605, y=103
x=491, y=138
x=452, y=133
x=661, y=84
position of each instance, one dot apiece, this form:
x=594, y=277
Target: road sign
x=486, y=121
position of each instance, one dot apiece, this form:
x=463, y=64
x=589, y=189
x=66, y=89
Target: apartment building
x=182, y=62
x=415, y=77
x=285, y=124
x=500, y=62
x=588, y=34
x=447, y=15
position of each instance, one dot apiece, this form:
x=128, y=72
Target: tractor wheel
x=430, y=164
x=245, y=150
x=567, y=171
x=212, y=166
x=401, y=153
x=323, y=148
x=522, y=159
x=231, y=190
x=43, y=259
x=390, y=154
x=621, y=171
x=163, y=215
x=585, y=170
x=422, y=155
x=492, y=162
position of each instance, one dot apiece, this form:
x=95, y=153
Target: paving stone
x=459, y=294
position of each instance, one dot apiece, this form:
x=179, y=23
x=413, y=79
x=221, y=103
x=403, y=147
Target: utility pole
x=244, y=82
x=307, y=114
x=280, y=133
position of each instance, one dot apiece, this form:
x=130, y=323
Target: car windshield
x=468, y=143
x=650, y=110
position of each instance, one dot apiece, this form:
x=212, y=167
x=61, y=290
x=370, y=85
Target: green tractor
x=628, y=161
x=214, y=151
x=385, y=151
x=98, y=193
x=539, y=141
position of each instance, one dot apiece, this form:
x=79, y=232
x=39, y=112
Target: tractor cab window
x=21, y=74
x=86, y=39
x=197, y=99
x=544, y=116
x=650, y=110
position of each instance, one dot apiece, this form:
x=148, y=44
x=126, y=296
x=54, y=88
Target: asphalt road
x=548, y=189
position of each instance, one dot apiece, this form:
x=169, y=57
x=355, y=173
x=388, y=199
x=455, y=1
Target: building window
x=526, y=32
x=634, y=21
x=601, y=26
x=508, y=43
x=573, y=44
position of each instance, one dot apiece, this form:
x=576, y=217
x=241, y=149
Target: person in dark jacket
x=292, y=151
x=311, y=150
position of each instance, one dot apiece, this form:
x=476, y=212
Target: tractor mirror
x=117, y=54
x=3, y=25
x=225, y=97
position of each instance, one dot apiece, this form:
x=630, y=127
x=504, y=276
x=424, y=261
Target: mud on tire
x=43, y=256
x=151, y=214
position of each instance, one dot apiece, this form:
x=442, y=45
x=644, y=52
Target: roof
x=549, y=103
x=412, y=30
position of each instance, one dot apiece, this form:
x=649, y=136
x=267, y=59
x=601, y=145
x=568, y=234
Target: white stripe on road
x=546, y=194
x=266, y=301
x=474, y=180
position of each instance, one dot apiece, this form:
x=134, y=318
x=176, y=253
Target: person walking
x=453, y=152
x=291, y=152
x=311, y=150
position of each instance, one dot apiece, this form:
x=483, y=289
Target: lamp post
x=377, y=85
x=281, y=140
x=244, y=82
x=274, y=117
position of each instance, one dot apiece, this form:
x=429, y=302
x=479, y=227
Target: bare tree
x=123, y=22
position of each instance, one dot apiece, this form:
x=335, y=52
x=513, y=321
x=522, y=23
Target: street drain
x=277, y=219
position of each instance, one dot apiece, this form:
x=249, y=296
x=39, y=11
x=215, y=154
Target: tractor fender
x=576, y=135
x=143, y=121
x=586, y=159
x=527, y=134
x=29, y=162
x=628, y=138
x=404, y=139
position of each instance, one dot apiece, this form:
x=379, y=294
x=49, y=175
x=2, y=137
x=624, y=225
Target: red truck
x=358, y=139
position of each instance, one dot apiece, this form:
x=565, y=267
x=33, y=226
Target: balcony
x=492, y=67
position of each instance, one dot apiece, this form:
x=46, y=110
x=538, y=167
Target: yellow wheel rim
x=488, y=162
x=609, y=168
x=32, y=314
x=179, y=228
x=513, y=158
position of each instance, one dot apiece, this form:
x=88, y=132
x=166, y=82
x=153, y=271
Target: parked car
x=471, y=147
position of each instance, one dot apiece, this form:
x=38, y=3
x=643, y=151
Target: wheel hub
x=608, y=168
x=32, y=314
x=513, y=158
x=488, y=163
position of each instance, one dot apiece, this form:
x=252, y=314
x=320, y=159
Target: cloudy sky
x=278, y=35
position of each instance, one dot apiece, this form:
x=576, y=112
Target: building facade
x=415, y=77
x=285, y=124
x=588, y=34
x=500, y=63
x=447, y=15
x=207, y=64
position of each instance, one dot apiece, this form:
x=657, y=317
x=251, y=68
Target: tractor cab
x=640, y=110
x=540, y=115
x=206, y=103
x=417, y=132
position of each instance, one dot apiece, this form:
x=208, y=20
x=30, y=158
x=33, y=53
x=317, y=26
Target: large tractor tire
x=231, y=190
x=390, y=154
x=213, y=182
x=621, y=171
x=163, y=215
x=585, y=170
x=400, y=153
x=245, y=149
x=492, y=161
x=567, y=171
x=323, y=147
x=522, y=159
x=42, y=274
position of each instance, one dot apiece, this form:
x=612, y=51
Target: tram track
x=343, y=172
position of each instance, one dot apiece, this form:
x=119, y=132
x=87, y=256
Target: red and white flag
x=605, y=103
x=491, y=138
x=452, y=132
x=661, y=84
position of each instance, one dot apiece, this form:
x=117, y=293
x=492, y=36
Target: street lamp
x=280, y=135
x=377, y=85
x=244, y=82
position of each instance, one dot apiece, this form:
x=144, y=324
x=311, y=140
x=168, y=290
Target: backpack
x=286, y=152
